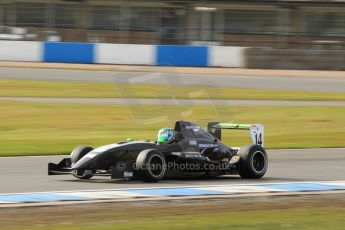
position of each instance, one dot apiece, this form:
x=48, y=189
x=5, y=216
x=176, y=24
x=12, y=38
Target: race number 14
x=258, y=138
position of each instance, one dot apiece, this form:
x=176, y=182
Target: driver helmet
x=165, y=135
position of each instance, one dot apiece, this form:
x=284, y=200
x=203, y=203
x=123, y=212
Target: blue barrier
x=179, y=55
x=70, y=52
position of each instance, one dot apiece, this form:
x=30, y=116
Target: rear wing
x=256, y=131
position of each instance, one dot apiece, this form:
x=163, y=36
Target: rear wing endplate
x=256, y=131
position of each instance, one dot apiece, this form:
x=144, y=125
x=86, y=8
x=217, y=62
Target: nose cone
x=86, y=160
x=92, y=156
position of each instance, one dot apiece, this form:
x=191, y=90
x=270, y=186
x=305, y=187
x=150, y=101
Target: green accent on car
x=129, y=139
x=232, y=126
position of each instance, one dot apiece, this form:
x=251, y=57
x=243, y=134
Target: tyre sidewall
x=79, y=152
x=246, y=168
x=143, y=165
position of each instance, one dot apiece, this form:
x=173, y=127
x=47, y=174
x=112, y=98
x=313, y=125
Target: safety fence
x=253, y=24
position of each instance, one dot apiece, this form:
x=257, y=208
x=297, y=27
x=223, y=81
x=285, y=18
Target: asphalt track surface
x=325, y=84
x=158, y=101
x=29, y=174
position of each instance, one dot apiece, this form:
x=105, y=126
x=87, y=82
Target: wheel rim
x=156, y=166
x=259, y=161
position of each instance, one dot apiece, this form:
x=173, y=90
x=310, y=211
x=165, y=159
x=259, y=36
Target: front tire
x=254, y=162
x=76, y=155
x=150, y=165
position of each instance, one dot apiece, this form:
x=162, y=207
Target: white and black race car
x=195, y=152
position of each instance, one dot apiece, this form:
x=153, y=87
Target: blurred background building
x=250, y=23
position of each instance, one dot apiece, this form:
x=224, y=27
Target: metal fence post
x=191, y=26
x=284, y=25
x=11, y=14
x=205, y=26
x=125, y=15
x=2, y=14
x=50, y=15
x=219, y=26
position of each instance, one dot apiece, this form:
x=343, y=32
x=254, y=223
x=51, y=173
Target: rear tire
x=254, y=162
x=76, y=155
x=150, y=165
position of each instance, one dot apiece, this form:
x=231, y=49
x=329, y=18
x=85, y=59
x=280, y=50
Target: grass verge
x=319, y=212
x=45, y=128
x=27, y=88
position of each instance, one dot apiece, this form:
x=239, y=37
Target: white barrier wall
x=125, y=54
x=21, y=51
x=226, y=56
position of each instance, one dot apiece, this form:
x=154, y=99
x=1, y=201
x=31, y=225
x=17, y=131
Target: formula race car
x=192, y=151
